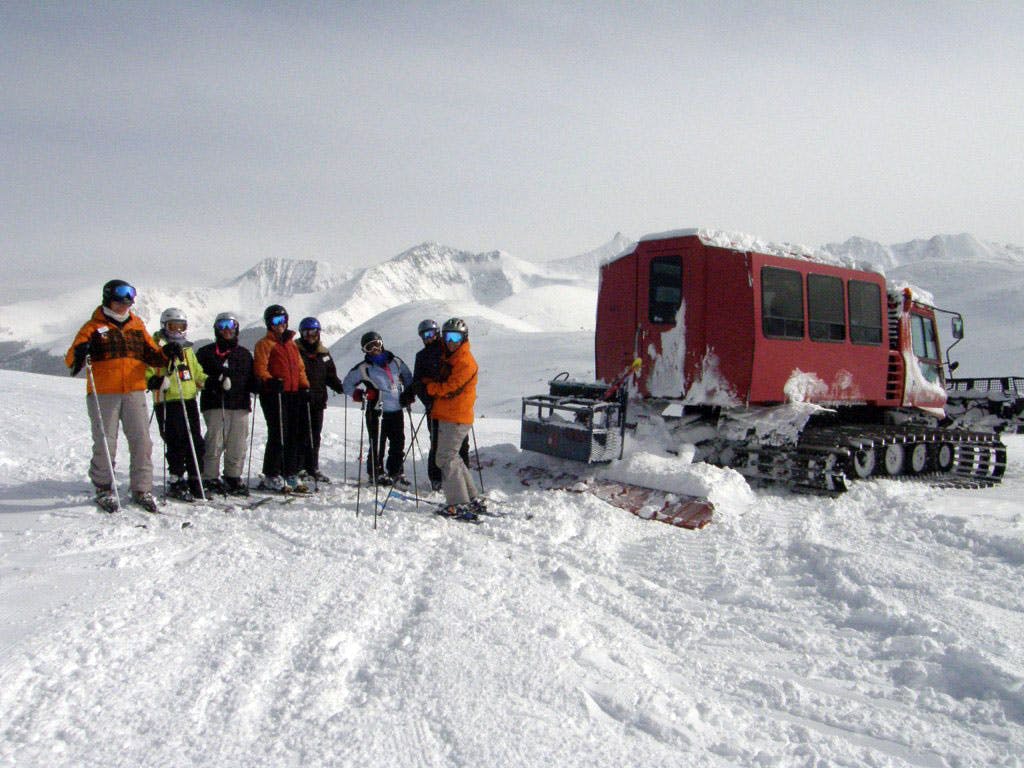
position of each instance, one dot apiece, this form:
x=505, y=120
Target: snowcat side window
x=826, y=313
x=926, y=346
x=666, y=289
x=782, y=303
x=865, y=312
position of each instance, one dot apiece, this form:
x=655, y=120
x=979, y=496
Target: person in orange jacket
x=454, y=396
x=118, y=348
x=284, y=397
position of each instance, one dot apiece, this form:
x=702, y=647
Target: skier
x=428, y=366
x=284, y=393
x=116, y=346
x=454, y=394
x=322, y=373
x=226, y=403
x=380, y=379
x=175, y=388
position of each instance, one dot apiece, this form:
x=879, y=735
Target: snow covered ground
x=882, y=628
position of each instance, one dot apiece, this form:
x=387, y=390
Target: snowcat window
x=666, y=288
x=782, y=303
x=926, y=346
x=826, y=314
x=865, y=312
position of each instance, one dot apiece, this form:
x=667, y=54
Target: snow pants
x=287, y=433
x=128, y=410
x=311, y=456
x=434, y=471
x=170, y=417
x=227, y=432
x=385, y=428
x=459, y=487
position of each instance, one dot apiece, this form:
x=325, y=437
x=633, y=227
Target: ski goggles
x=223, y=325
x=454, y=337
x=428, y=335
x=373, y=346
x=279, y=320
x=176, y=326
x=123, y=293
x=310, y=331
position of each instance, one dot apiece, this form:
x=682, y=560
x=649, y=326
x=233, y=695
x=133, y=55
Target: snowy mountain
x=35, y=334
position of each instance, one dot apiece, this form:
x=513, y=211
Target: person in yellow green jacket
x=175, y=389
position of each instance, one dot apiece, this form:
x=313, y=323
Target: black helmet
x=117, y=290
x=426, y=325
x=368, y=338
x=455, y=324
x=309, y=324
x=274, y=310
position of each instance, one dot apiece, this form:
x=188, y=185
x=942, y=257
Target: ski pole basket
x=570, y=424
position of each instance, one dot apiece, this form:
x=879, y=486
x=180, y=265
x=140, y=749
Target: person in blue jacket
x=379, y=380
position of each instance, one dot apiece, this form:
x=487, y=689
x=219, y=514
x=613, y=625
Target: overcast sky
x=191, y=140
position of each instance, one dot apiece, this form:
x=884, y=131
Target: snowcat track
x=827, y=459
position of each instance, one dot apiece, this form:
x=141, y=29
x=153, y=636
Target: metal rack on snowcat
x=575, y=421
x=1001, y=397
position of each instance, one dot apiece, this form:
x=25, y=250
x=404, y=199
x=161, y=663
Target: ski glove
x=155, y=382
x=225, y=382
x=305, y=396
x=172, y=351
x=273, y=386
x=369, y=395
x=407, y=398
x=81, y=352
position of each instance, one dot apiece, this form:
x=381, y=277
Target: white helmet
x=169, y=315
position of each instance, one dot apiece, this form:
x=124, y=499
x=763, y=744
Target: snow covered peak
x=960, y=248
x=280, y=277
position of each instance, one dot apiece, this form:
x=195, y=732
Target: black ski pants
x=385, y=428
x=311, y=456
x=434, y=471
x=170, y=419
x=287, y=433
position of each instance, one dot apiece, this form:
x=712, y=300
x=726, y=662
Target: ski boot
x=145, y=500
x=105, y=498
x=178, y=489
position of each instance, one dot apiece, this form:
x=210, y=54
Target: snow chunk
x=726, y=488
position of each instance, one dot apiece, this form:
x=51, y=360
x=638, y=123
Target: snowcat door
x=660, y=295
x=925, y=383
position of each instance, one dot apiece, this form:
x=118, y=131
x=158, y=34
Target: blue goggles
x=223, y=325
x=123, y=293
x=279, y=320
x=454, y=337
x=428, y=334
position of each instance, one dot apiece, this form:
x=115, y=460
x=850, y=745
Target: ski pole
x=188, y=430
x=252, y=431
x=314, y=454
x=479, y=466
x=103, y=429
x=415, y=482
x=359, y=476
x=344, y=445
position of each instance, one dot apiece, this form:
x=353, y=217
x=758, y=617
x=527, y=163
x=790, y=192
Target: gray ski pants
x=227, y=433
x=457, y=479
x=130, y=411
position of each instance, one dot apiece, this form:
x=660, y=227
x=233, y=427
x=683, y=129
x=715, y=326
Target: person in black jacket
x=429, y=365
x=225, y=404
x=322, y=373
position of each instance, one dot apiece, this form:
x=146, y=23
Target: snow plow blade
x=690, y=512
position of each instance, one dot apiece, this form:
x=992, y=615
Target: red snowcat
x=778, y=362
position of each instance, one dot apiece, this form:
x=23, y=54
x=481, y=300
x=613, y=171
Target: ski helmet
x=309, y=324
x=173, y=315
x=274, y=310
x=223, y=321
x=117, y=290
x=369, y=338
x=426, y=325
x=456, y=324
